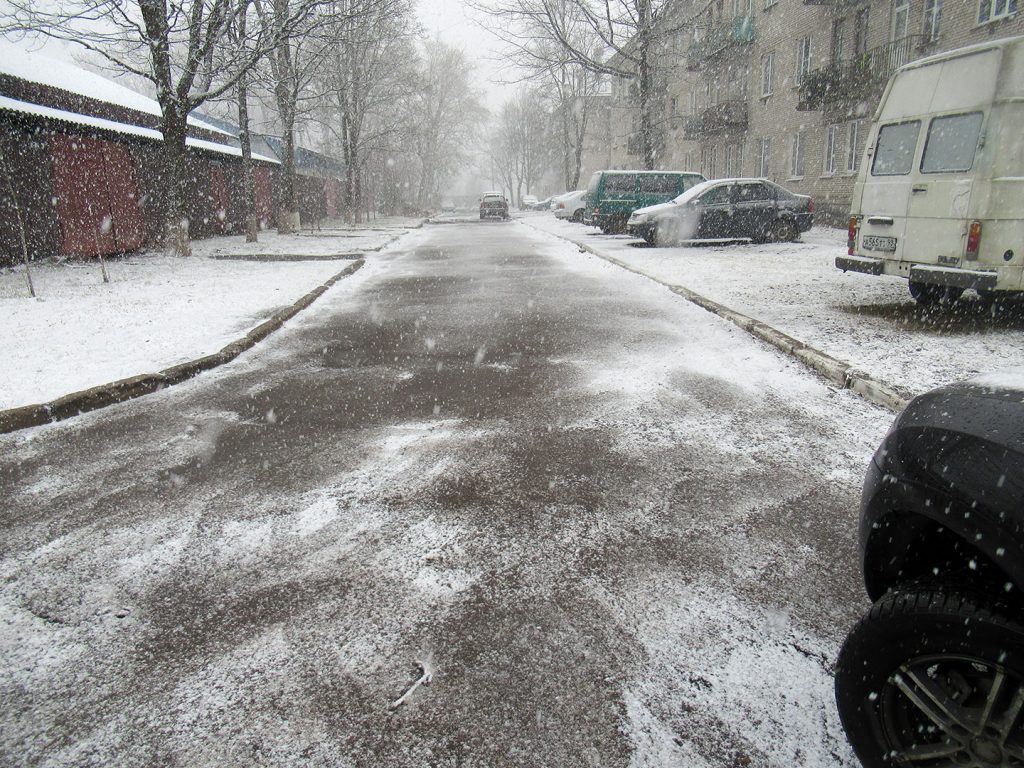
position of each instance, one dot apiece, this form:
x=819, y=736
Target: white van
x=940, y=195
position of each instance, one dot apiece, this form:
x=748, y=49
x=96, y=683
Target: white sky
x=453, y=22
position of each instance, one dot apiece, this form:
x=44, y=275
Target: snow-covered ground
x=869, y=322
x=157, y=310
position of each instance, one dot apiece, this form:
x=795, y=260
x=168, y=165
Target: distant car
x=726, y=209
x=570, y=205
x=543, y=205
x=528, y=202
x=493, y=205
x=933, y=675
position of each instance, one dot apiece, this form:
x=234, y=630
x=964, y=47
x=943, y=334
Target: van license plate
x=876, y=243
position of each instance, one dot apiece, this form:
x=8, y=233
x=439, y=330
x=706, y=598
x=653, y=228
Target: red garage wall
x=97, y=195
x=264, y=193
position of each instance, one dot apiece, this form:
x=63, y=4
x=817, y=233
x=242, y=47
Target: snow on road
x=157, y=310
x=869, y=322
x=628, y=536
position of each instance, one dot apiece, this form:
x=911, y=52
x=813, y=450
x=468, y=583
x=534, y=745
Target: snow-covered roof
x=27, y=108
x=45, y=70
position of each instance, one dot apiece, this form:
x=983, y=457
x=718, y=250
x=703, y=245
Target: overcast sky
x=452, y=22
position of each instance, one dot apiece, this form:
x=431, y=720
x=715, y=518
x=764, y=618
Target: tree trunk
x=288, y=221
x=644, y=82
x=176, y=181
x=252, y=225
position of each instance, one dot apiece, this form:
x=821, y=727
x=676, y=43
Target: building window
x=693, y=102
x=852, y=140
x=764, y=159
x=707, y=162
x=860, y=32
x=796, y=166
x=733, y=159
x=932, y=19
x=767, y=70
x=675, y=106
x=988, y=10
x=803, y=58
x=831, y=139
x=838, y=40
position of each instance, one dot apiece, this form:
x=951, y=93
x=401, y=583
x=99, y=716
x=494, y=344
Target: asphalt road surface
x=597, y=524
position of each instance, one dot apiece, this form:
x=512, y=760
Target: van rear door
x=889, y=163
x=942, y=182
x=887, y=191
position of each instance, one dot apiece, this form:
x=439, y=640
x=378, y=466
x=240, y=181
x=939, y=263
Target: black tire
x=784, y=231
x=577, y=216
x=934, y=295
x=917, y=673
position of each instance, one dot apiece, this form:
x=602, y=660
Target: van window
x=619, y=183
x=663, y=185
x=951, y=142
x=894, y=153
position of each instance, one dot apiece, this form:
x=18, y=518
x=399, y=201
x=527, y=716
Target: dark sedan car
x=933, y=675
x=726, y=209
x=493, y=205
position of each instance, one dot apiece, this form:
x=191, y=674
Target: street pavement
x=489, y=502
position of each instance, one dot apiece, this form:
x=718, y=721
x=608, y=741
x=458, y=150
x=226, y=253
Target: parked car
x=933, y=675
x=938, y=200
x=528, y=202
x=613, y=195
x=570, y=205
x=726, y=209
x=493, y=205
x=543, y=205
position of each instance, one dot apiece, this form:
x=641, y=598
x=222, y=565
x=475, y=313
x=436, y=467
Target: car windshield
x=693, y=192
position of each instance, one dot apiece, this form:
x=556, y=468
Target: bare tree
x=367, y=84
x=182, y=48
x=448, y=113
x=617, y=38
x=522, y=153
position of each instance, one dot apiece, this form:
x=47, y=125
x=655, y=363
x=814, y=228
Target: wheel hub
x=986, y=751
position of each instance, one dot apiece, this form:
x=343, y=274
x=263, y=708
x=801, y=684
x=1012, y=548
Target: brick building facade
x=783, y=89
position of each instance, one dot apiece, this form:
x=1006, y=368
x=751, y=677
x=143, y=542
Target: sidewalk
x=160, y=311
x=869, y=322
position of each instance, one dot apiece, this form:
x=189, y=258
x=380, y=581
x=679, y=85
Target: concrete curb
x=838, y=372
x=136, y=386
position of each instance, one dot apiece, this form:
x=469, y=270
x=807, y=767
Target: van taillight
x=973, y=239
x=851, y=236
x=597, y=210
x=810, y=205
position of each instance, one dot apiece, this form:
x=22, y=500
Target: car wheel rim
x=953, y=711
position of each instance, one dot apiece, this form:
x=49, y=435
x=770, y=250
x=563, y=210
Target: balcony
x=859, y=78
x=716, y=119
x=739, y=31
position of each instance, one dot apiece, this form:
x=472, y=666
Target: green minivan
x=613, y=195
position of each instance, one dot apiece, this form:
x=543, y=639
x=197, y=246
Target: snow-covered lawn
x=332, y=239
x=156, y=311
x=869, y=322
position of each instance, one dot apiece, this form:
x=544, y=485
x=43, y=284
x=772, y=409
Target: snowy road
x=614, y=529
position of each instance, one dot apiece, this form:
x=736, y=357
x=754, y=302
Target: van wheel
x=784, y=231
x=934, y=295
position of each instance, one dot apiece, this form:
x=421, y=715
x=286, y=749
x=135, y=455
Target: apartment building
x=784, y=89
